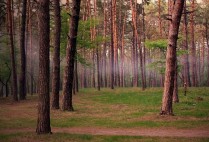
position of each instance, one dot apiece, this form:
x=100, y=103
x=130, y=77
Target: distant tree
x=185, y=47
x=193, y=47
x=43, y=122
x=167, y=99
x=70, y=57
x=22, y=78
x=56, y=57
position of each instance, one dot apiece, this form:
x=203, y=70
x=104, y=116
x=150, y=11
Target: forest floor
x=153, y=132
x=120, y=115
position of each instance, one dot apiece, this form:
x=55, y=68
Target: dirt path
x=161, y=132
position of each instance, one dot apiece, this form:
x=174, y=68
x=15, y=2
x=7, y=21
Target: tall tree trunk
x=70, y=57
x=22, y=79
x=144, y=48
x=31, y=49
x=186, y=56
x=14, y=74
x=159, y=17
x=166, y=108
x=175, y=90
x=76, y=76
x=56, y=57
x=105, y=45
x=193, y=48
x=98, y=70
x=43, y=123
x=113, y=34
x=123, y=53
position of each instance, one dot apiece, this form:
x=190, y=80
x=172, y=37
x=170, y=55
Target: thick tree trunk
x=43, y=123
x=14, y=74
x=56, y=57
x=70, y=57
x=166, y=108
x=22, y=79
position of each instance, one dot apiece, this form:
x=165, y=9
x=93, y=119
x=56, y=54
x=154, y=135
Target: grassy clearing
x=62, y=137
x=119, y=108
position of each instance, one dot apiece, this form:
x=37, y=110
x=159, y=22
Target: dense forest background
x=128, y=38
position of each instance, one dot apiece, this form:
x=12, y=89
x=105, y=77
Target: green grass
x=118, y=108
x=63, y=137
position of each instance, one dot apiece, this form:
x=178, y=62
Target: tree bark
x=166, y=108
x=70, y=57
x=43, y=123
x=56, y=56
x=175, y=90
x=193, y=49
x=185, y=47
x=12, y=52
x=113, y=34
x=98, y=70
x=22, y=79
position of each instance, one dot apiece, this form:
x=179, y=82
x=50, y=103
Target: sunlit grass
x=118, y=108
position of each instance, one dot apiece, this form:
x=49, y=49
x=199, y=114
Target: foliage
x=157, y=44
x=64, y=32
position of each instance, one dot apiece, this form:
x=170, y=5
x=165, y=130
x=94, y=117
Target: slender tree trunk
x=56, y=56
x=31, y=49
x=43, y=123
x=98, y=70
x=159, y=17
x=12, y=50
x=186, y=56
x=166, y=108
x=123, y=53
x=193, y=49
x=144, y=48
x=76, y=76
x=113, y=34
x=175, y=90
x=22, y=79
x=70, y=57
x=105, y=46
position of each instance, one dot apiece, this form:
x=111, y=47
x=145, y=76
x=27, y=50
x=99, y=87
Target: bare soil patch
x=158, y=132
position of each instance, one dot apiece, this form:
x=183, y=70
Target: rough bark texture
x=43, y=123
x=12, y=52
x=166, y=108
x=70, y=57
x=56, y=57
x=22, y=79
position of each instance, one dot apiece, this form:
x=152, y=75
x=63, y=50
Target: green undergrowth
x=63, y=137
x=118, y=108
